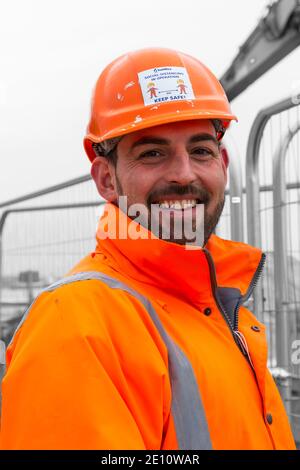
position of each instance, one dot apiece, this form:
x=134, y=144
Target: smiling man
x=146, y=343
x=167, y=171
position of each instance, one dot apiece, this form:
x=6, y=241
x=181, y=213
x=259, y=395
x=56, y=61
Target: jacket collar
x=181, y=272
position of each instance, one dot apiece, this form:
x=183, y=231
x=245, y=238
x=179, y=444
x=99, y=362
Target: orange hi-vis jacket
x=89, y=368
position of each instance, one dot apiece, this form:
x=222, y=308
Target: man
x=146, y=344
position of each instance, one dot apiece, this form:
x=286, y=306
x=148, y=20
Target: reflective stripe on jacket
x=90, y=367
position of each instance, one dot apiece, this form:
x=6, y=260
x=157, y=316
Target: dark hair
x=111, y=156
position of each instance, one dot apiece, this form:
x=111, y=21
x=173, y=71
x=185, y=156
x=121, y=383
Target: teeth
x=178, y=205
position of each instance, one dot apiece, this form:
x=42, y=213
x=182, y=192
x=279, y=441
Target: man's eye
x=203, y=152
x=150, y=153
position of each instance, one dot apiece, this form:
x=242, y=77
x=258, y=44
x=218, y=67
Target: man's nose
x=180, y=169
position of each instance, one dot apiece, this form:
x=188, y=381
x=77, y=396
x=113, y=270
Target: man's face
x=168, y=164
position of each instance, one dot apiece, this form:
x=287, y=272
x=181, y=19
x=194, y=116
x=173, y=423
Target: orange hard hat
x=150, y=87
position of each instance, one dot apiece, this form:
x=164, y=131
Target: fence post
x=2, y=223
x=235, y=190
x=253, y=197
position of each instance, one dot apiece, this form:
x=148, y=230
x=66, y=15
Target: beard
x=212, y=220
x=151, y=220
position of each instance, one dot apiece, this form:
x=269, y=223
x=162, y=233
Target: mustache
x=174, y=189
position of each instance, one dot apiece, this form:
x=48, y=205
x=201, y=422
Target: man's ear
x=225, y=156
x=103, y=174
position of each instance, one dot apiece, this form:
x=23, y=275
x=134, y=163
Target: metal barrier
x=43, y=234
x=273, y=222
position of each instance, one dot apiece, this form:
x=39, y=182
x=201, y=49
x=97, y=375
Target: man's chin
x=180, y=226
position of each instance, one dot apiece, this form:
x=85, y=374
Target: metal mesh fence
x=42, y=237
x=279, y=219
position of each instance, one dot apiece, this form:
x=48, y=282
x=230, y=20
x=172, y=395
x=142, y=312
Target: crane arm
x=276, y=35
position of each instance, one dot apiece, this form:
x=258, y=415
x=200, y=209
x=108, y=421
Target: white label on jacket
x=165, y=84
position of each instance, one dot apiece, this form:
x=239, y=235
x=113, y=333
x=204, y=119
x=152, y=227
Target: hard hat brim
x=153, y=121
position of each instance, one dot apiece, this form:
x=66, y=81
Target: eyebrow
x=201, y=137
x=160, y=141
x=150, y=140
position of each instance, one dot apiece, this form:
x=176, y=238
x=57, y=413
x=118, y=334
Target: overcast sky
x=51, y=53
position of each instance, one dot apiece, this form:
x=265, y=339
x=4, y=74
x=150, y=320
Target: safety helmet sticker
x=165, y=84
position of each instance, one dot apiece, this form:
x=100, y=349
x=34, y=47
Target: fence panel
x=42, y=235
x=273, y=208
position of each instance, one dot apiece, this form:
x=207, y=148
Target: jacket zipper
x=234, y=326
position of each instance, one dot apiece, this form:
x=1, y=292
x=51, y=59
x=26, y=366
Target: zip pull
x=243, y=343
